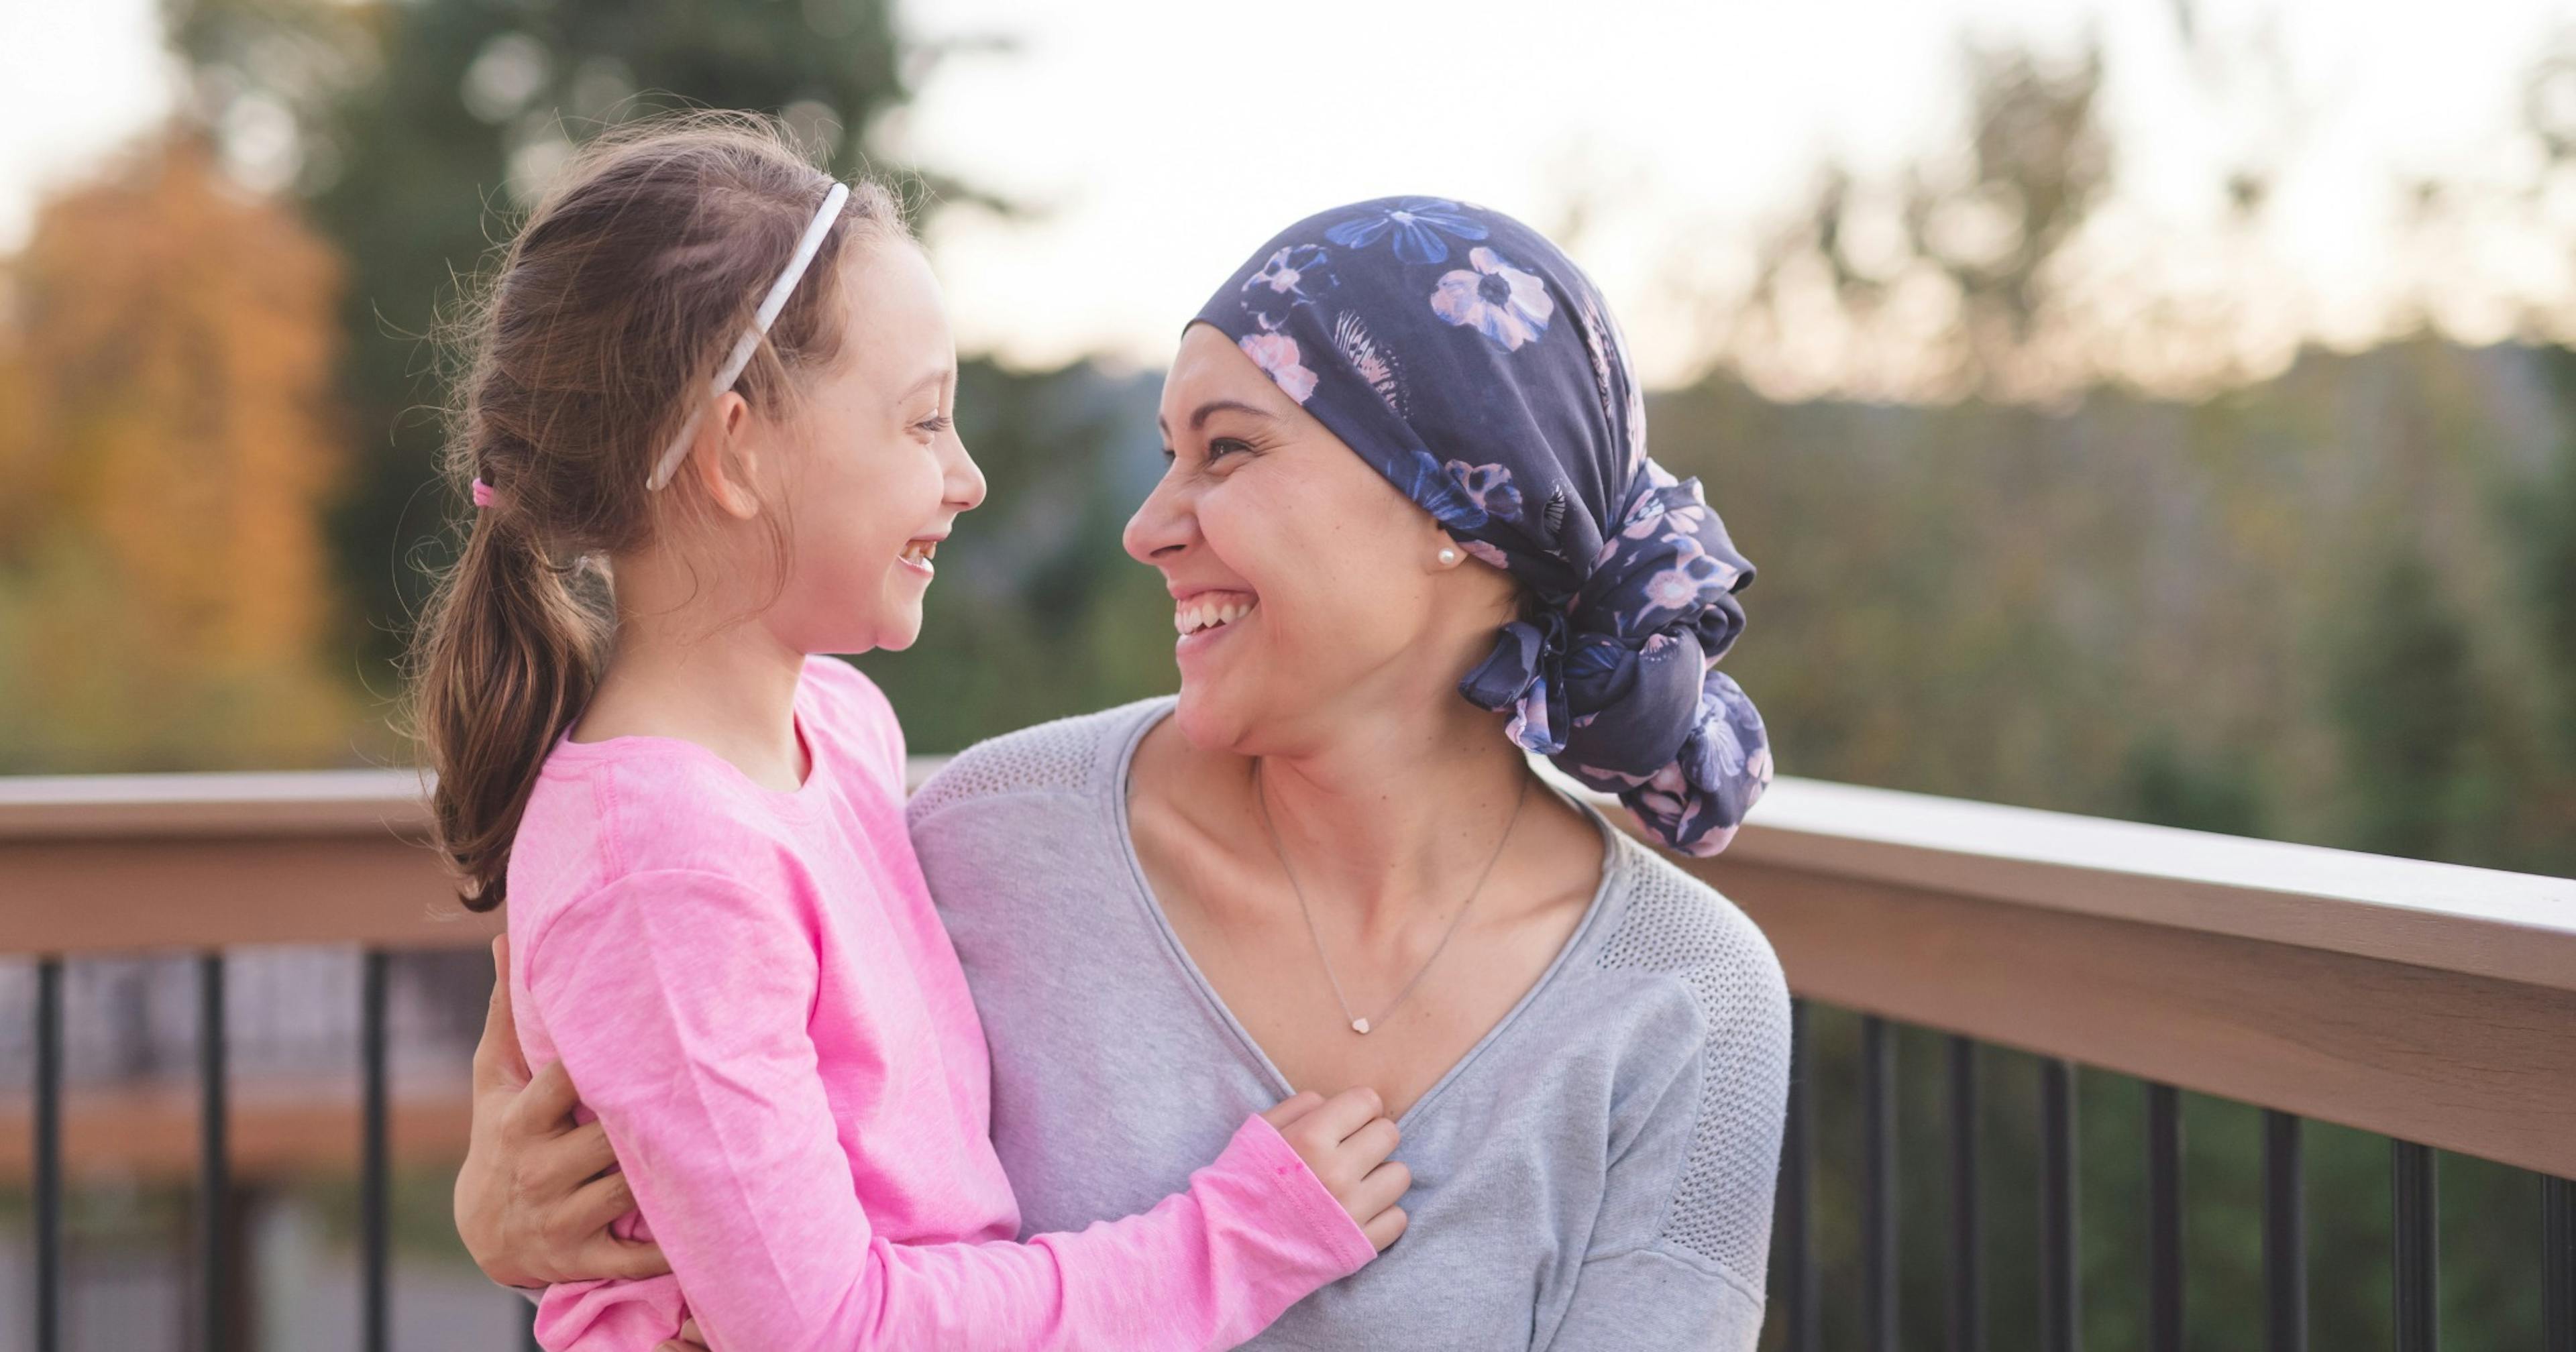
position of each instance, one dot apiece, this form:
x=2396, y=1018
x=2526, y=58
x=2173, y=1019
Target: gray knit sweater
x=1596, y=1173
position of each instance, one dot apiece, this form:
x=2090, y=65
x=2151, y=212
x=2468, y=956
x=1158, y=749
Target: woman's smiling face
x=1305, y=587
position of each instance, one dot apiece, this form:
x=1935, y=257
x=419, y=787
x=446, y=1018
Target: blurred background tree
x=170, y=439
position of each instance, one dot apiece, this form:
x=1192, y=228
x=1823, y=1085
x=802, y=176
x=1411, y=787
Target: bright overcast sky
x=1163, y=139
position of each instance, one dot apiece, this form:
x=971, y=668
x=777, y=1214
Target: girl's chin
x=899, y=631
x=895, y=626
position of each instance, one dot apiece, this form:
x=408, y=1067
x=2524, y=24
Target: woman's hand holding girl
x=537, y=1191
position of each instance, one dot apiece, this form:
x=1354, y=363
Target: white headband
x=770, y=305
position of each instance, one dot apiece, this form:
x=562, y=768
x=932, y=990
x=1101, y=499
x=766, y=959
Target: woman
x=1408, y=464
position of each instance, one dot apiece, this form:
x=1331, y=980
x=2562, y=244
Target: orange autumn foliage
x=168, y=440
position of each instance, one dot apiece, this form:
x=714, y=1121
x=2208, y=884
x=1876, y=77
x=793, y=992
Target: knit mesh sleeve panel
x=1057, y=757
x=1677, y=926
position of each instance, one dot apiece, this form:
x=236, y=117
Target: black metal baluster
x=1797, y=1192
x=374, y=1211
x=2415, y=1252
x=49, y=1155
x=2057, y=1271
x=2285, y=1235
x=2557, y=1265
x=2164, y=1219
x=214, y=1176
x=1878, y=1168
x=1967, y=1231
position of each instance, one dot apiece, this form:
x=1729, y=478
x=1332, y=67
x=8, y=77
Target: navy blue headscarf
x=1471, y=363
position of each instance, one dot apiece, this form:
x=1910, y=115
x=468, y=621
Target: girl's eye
x=935, y=425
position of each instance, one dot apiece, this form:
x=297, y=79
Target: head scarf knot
x=1472, y=364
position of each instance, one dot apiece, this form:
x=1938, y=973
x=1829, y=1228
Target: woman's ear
x=725, y=460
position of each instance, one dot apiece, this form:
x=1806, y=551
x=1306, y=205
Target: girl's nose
x=965, y=479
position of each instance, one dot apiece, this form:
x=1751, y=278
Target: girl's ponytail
x=509, y=657
x=584, y=356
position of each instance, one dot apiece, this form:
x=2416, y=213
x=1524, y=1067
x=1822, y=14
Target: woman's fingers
x=544, y=1108
x=559, y=1165
x=598, y=1203
x=498, y=1062
x=1385, y=1227
x=608, y=1256
x=690, y=1340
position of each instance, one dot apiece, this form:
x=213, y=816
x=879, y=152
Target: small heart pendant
x=1359, y=1025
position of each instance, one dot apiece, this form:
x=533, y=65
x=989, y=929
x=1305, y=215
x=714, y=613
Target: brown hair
x=581, y=359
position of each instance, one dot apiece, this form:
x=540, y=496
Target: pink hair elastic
x=482, y=493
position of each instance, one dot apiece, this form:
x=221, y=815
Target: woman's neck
x=1393, y=814
x=677, y=671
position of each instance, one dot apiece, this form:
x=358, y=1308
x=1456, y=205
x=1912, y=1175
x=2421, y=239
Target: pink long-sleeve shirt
x=752, y=992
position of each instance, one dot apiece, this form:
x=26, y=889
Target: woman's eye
x=1224, y=446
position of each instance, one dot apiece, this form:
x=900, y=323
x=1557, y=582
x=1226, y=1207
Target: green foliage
x=2199, y=614
x=2408, y=703
x=2169, y=788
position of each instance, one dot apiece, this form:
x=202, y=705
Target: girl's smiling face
x=1307, y=590
x=874, y=471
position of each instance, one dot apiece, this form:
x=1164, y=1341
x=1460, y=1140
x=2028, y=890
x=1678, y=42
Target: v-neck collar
x=1614, y=863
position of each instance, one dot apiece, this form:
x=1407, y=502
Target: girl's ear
x=724, y=460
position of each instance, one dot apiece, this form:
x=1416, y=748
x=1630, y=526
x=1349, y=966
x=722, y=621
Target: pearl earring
x=1448, y=556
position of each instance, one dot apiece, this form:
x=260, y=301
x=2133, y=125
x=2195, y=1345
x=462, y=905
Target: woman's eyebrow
x=1211, y=408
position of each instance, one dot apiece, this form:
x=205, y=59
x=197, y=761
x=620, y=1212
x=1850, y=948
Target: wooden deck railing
x=2432, y=1004
x=2435, y=1005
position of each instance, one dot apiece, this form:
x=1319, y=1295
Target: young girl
x=707, y=430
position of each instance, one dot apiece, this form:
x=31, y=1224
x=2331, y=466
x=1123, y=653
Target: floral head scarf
x=1472, y=364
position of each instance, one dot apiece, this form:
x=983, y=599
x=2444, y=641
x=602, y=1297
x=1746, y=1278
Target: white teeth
x=1189, y=618
x=920, y=551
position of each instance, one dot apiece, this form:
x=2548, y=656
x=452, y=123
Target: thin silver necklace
x=1359, y=1025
